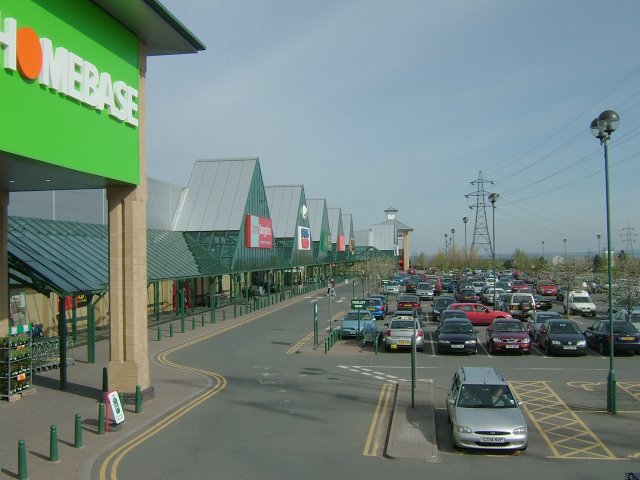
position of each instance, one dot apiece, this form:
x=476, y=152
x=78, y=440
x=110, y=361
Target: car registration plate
x=627, y=338
x=404, y=342
x=569, y=347
x=492, y=440
x=457, y=346
x=513, y=346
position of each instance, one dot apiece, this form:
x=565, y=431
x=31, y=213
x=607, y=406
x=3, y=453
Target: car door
x=482, y=314
x=591, y=334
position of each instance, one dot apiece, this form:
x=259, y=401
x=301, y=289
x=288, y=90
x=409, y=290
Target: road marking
x=588, y=386
x=372, y=447
x=565, y=433
x=299, y=345
x=632, y=389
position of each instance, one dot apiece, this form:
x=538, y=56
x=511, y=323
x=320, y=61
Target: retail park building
x=88, y=241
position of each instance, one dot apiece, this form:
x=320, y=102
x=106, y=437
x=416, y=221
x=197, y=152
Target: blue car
x=375, y=306
x=355, y=322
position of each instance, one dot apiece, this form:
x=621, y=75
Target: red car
x=518, y=285
x=547, y=289
x=478, y=313
x=409, y=302
x=508, y=335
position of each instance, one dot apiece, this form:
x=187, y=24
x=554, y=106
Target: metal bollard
x=22, y=461
x=202, y=320
x=224, y=315
x=138, y=399
x=78, y=431
x=171, y=329
x=53, y=444
x=101, y=418
x=159, y=333
x=193, y=323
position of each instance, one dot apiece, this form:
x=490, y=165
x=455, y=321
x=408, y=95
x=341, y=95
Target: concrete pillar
x=129, y=357
x=4, y=264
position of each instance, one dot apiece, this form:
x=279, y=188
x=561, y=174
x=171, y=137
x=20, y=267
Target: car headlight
x=582, y=343
x=526, y=340
x=520, y=430
x=444, y=341
x=496, y=340
x=463, y=429
x=555, y=342
x=470, y=342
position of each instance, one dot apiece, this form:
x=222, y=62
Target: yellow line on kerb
x=372, y=445
x=300, y=343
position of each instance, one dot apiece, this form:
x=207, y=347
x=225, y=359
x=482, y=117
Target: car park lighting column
x=465, y=220
x=493, y=198
x=602, y=128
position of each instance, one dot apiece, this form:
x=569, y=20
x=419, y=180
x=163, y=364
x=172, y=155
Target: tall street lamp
x=453, y=247
x=543, y=249
x=564, y=240
x=602, y=128
x=598, y=237
x=493, y=198
x=446, y=250
x=465, y=220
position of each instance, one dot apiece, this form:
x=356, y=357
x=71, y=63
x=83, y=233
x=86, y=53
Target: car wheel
x=386, y=347
x=491, y=348
x=547, y=348
x=593, y=314
x=454, y=445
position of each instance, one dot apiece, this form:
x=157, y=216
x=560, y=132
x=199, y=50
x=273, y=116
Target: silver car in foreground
x=399, y=332
x=483, y=412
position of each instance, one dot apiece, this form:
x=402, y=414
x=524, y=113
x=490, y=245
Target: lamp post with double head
x=543, y=249
x=602, y=128
x=564, y=241
x=493, y=198
x=453, y=247
x=465, y=220
x=446, y=250
x=598, y=237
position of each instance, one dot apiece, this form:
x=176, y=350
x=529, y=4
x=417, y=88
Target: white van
x=579, y=302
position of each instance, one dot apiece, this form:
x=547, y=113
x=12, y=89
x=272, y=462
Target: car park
x=508, y=335
x=626, y=337
x=579, y=302
x=562, y=336
x=537, y=318
x=353, y=323
x=440, y=304
x=400, y=331
x=456, y=335
x=408, y=301
x=483, y=411
x=478, y=313
x=518, y=305
x=425, y=291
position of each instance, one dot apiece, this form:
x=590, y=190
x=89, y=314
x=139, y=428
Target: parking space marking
x=632, y=389
x=565, y=433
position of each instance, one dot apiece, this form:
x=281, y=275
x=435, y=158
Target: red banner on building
x=341, y=243
x=258, y=232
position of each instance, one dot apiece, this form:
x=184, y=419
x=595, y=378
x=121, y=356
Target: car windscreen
x=581, y=300
x=456, y=327
x=508, y=327
x=521, y=298
x=408, y=298
x=486, y=396
x=624, y=328
x=563, y=327
x=373, y=302
x=424, y=286
x=401, y=324
x=443, y=302
x=354, y=316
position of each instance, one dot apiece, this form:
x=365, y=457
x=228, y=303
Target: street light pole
x=543, y=249
x=446, y=250
x=465, y=220
x=564, y=240
x=453, y=247
x=599, y=250
x=602, y=128
x=493, y=198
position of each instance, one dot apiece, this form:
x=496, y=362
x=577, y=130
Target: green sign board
x=358, y=304
x=69, y=86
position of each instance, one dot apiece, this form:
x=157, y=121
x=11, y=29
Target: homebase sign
x=69, y=87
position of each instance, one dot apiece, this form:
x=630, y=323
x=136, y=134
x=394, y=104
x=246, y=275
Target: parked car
x=399, y=333
x=483, y=411
x=392, y=288
x=383, y=299
x=487, y=294
x=456, y=335
x=542, y=303
x=447, y=314
x=518, y=285
x=411, y=284
x=508, y=335
x=440, y=304
x=375, y=306
x=579, y=302
x=478, y=313
x=626, y=337
x=467, y=295
x=518, y=305
x=537, y=318
x=353, y=323
x=634, y=317
x=562, y=336
x=408, y=301
x=425, y=291
x=547, y=288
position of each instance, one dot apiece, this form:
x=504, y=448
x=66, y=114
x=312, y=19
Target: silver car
x=425, y=291
x=483, y=412
x=392, y=288
x=399, y=332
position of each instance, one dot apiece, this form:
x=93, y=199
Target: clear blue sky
x=402, y=103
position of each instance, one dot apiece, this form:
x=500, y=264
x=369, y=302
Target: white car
x=579, y=302
x=487, y=294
